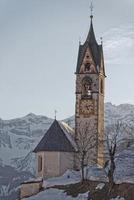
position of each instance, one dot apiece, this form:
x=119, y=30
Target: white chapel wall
x=66, y=161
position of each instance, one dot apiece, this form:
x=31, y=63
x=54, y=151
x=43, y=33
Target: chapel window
x=39, y=163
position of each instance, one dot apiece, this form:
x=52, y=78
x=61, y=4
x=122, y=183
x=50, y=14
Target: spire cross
x=91, y=9
x=79, y=40
x=55, y=114
x=101, y=40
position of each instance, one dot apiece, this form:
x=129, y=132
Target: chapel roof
x=59, y=137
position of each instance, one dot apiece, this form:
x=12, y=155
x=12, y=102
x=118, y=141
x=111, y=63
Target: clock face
x=87, y=107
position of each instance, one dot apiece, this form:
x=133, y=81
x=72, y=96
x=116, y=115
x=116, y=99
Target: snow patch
x=100, y=186
x=118, y=198
x=69, y=177
x=52, y=194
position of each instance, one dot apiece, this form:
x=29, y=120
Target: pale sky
x=39, y=48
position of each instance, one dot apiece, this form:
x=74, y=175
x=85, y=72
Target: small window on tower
x=101, y=87
x=39, y=163
x=87, y=67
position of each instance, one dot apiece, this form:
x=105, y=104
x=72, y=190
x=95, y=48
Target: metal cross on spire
x=91, y=9
x=55, y=114
x=79, y=41
x=101, y=38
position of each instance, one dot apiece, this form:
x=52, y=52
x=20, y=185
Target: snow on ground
x=100, y=186
x=118, y=198
x=92, y=172
x=83, y=196
x=55, y=194
x=124, y=173
x=69, y=177
x=96, y=173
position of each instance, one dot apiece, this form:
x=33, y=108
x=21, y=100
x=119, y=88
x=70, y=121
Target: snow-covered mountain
x=123, y=112
x=18, y=138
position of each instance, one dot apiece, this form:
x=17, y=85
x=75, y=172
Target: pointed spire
x=91, y=35
x=90, y=43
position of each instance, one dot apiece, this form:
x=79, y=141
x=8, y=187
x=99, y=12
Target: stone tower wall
x=95, y=120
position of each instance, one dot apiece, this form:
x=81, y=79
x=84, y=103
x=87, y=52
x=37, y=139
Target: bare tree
x=85, y=140
x=113, y=133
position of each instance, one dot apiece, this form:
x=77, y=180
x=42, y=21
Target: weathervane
x=55, y=114
x=91, y=9
x=79, y=41
x=101, y=38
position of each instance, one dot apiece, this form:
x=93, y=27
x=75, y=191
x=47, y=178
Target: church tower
x=89, y=109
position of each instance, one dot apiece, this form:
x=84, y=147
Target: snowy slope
x=54, y=194
x=10, y=179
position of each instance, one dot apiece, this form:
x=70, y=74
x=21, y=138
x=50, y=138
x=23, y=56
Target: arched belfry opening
x=87, y=87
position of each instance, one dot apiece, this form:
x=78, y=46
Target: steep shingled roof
x=95, y=49
x=57, y=138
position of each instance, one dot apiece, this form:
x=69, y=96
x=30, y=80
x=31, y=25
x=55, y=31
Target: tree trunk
x=111, y=175
x=82, y=168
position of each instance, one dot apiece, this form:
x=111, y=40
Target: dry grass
x=125, y=190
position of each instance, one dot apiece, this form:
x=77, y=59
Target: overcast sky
x=39, y=47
